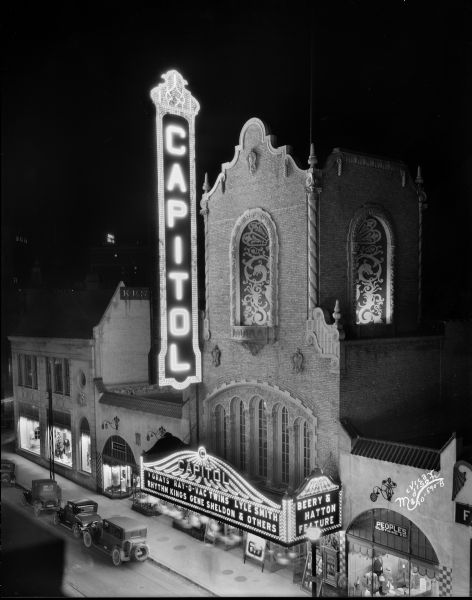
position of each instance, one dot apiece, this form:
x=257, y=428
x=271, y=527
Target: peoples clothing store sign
x=179, y=362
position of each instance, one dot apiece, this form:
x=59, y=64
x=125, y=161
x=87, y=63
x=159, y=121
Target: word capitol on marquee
x=205, y=499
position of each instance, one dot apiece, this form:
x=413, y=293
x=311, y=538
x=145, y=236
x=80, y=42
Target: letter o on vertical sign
x=179, y=362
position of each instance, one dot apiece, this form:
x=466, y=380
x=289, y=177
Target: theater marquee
x=179, y=362
x=205, y=484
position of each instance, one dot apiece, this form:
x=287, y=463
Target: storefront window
x=62, y=445
x=30, y=434
x=117, y=479
x=387, y=563
x=118, y=468
x=85, y=447
x=62, y=438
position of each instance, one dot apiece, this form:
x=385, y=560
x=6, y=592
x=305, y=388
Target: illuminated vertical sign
x=179, y=360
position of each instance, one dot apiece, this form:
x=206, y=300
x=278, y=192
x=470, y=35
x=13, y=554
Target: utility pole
x=51, y=436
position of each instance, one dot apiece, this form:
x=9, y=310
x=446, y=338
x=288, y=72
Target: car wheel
x=140, y=552
x=87, y=539
x=55, y=518
x=76, y=531
x=116, y=557
x=36, y=508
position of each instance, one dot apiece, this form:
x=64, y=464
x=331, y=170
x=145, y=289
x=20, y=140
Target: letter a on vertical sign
x=176, y=109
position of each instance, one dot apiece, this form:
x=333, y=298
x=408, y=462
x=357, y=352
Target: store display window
x=118, y=468
x=62, y=438
x=117, y=480
x=29, y=429
x=378, y=564
x=85, y=447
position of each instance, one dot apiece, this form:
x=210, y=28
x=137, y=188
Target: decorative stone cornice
x=344, y=156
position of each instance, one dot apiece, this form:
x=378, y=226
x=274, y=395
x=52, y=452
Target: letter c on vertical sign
x=171, y=131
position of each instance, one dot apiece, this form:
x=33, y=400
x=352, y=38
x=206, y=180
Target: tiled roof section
x=400, y=454
x=61, y=313
x=164, y=408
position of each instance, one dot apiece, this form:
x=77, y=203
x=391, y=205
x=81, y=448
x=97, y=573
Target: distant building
x=113, y=261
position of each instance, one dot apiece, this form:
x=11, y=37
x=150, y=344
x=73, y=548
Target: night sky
x=390, y=77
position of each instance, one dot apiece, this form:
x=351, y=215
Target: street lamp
x=314, y=535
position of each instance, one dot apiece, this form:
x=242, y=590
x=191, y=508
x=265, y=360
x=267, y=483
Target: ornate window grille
x=371, y=268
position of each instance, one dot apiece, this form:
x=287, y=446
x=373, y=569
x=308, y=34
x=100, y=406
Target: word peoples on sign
x=419, y=489
x=385, y=527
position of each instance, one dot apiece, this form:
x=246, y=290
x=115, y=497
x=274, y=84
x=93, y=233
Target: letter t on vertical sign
x=176, y=109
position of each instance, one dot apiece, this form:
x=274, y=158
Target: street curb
x=184, y=577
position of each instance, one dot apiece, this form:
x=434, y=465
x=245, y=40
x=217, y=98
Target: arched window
x=85, y=447
x=262, y=434
x=254, y=275
x=306, y=450
x=254, y=256
x=220, y=430
x=371, y=242
x=242, y=437
x=285, y=446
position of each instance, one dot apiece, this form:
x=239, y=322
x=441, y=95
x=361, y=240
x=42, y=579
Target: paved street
x=176, y=559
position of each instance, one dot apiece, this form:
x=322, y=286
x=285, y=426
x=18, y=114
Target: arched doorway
x=388, y=555
x=118, y=468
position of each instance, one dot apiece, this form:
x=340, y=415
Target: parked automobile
x=8, y=472
x=123, y=538
x=45, y=494
x=78, y=515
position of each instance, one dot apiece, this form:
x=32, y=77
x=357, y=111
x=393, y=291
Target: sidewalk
x=219, y=572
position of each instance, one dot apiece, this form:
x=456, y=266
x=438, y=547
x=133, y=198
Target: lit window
x=371, y=271
x=85, y=447
x=254, y=256
x=110, y=238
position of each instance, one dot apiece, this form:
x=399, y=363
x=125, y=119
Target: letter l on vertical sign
x=179, y=362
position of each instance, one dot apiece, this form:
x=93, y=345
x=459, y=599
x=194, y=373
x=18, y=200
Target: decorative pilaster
x=204, y=212
x=422, y=205
x=229, y=423
x=313, y=189
x=325, y=337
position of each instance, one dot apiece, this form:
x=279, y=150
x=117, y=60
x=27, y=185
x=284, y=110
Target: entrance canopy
x=207, y=485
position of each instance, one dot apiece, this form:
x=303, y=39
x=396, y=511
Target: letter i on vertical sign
x=179, y=360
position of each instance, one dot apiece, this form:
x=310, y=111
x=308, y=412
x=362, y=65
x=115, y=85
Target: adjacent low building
x=82, y=396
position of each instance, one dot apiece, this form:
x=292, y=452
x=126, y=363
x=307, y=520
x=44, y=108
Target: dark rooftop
x=61, y=313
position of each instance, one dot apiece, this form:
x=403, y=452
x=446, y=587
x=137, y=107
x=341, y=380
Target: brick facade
x=371, y=371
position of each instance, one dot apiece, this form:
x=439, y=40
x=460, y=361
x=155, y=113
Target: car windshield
x=87, y=508
x=136, y=533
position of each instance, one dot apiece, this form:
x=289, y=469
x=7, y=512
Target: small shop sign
x=134, y=293
x=255, y=549
x=391, y=528
x=207, y=485
x=463, y=514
